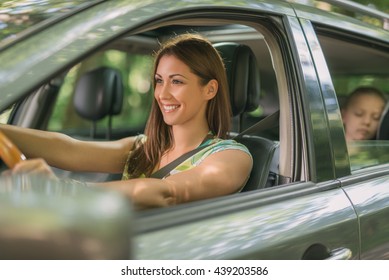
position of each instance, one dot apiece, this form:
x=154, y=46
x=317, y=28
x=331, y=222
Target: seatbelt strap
x=269, y=122
x=159, y=174
x=266, y=123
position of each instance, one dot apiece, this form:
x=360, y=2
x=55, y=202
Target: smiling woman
x=190, y=110
x=189, y=78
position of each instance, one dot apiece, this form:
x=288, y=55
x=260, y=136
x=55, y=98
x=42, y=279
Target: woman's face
x=179, y=94
x=361, y=117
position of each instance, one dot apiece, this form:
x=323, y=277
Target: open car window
x=355, y=63
x=132, y=58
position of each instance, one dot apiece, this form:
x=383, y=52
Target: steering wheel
x=9, y=153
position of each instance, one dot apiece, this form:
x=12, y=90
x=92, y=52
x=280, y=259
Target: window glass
x=135, y=70
x=368, y=153
x=353, y=65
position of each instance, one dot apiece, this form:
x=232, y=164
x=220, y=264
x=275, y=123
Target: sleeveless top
x=215, y=145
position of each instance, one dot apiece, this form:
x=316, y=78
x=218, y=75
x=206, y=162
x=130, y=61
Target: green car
x=311, y=193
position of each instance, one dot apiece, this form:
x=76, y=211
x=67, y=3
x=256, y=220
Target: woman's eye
x=158, y=81
x=176, y=82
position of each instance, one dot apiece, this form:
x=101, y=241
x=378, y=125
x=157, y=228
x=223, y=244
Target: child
x=362, y=112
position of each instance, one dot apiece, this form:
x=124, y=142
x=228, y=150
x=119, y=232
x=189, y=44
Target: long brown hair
x=205, y=62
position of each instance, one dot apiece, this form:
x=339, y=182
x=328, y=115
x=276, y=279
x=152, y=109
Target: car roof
x=20, y=19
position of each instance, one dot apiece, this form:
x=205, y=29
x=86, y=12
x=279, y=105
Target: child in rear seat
x=361, y=113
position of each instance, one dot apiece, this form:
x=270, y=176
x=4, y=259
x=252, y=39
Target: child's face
x=361, y=117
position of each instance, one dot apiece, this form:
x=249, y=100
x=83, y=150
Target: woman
x=361, y=113
x=190, y=108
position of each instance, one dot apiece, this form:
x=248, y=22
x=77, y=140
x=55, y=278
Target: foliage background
x=382, y=5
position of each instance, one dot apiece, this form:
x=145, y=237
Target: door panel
x=371, y=202
x=282, y=230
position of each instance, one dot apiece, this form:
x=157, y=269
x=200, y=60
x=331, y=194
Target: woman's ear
x=211, y=89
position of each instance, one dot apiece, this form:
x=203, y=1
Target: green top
x=214, y=145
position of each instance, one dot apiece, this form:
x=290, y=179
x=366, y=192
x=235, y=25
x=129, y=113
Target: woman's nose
x=163, y=91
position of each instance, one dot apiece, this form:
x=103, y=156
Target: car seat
x=243, y=79
x=244, y=85
x=98, y=94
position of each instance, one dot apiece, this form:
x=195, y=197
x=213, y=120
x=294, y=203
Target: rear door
x=358, y=55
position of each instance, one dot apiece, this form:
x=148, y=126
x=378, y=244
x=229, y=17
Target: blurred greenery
x=379, y=5
x=344, y=85
x=18, y=15
x=382, y=5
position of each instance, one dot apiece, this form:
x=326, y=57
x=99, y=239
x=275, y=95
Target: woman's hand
x=34, y=166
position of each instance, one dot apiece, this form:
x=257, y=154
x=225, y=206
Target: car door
x=359, y=56
x=300, y=221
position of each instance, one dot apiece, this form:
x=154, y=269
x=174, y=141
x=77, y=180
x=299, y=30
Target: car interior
x=107, y=95
x=89, y=98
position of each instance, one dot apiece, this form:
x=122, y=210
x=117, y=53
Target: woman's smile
x=169, y=108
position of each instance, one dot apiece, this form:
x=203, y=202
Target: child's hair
x=363, y=90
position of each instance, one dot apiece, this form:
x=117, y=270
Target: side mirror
x=45, y=219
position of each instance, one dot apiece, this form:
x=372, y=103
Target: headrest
x=383, y=127
x=99, y=93
x=242, y=75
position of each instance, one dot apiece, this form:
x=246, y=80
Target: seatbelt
x=269, y=122
x=159, y=174
x=266, y=123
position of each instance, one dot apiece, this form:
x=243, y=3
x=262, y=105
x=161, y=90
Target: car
x=311, y=194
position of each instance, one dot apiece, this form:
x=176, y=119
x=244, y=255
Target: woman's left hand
x=34, y=166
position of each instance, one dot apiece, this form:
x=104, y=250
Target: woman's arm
x=64, y=152
x=221, y=173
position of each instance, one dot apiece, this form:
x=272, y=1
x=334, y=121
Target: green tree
x=382, y=5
